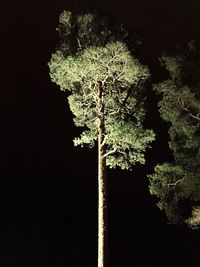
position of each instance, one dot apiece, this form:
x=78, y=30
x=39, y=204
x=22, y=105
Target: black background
x=48, y=188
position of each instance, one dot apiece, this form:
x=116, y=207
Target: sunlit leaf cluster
x=101, y=58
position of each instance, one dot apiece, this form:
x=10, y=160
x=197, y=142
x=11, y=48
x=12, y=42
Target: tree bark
x=102, y=201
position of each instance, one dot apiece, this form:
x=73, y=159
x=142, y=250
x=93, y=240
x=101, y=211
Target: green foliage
x=78, y=32
x=180, y=107
x=174, y=186
x=112, y=65
x=194, y=220
x=129, y=140
x=91, y=55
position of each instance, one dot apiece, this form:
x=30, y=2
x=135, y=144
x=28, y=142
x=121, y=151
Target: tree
x=177, y=184
x=106, y=96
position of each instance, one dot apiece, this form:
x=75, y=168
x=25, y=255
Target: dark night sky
x=48, y=188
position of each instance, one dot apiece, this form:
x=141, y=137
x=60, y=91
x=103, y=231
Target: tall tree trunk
x=102, y=201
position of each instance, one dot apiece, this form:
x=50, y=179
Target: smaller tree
x=177, y=184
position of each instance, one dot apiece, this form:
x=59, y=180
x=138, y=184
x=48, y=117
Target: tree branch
x=183, y=106
x=110, y=152
x=104, y=141
x=174, y=184
x=197, y=117
x=114, y=112
x=79, y=44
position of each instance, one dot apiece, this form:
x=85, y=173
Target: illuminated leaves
x=99, y=57
x=130, y=141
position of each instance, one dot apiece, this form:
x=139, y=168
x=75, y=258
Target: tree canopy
x=177, y=184
x=91, y=55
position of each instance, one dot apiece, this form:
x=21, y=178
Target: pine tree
x=106, y=96
x=177, y=184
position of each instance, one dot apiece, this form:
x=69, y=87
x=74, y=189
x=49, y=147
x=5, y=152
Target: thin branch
x=174, y=184
x=182, y=104
x=104, y=141
x=110, y=152
x=197, y=117
x=79, y=44
x=114, y=112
